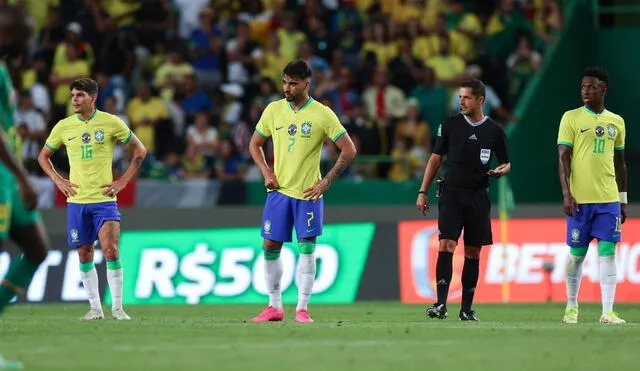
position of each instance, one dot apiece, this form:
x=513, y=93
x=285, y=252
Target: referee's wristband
x=623, y=197
x=422, y=192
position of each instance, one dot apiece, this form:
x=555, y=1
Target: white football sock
x=273, y=275
x=90, y=282
x=114, y=278
x=574, y=276
x=306, y=275
x=608, y=282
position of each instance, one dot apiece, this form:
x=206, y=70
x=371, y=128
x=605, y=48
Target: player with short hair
x=594, y=189
x=298, y=126
x=92, y=212
x=469, y=139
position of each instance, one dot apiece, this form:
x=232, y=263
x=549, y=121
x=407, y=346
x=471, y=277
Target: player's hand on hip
x=113, y=188
x=270, y=182
x=29, y=195
x=623, y=213
x=314, y=193
x=570, y=205
x=422, y=203
x=65, y=186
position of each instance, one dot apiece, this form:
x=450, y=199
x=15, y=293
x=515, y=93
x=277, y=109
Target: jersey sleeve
x=333, y=128
x=501, y=147
x=566, y=134
x=620, y=139
x=442, y=139
x=54, y=141
x=266, y=122
x=122, y=131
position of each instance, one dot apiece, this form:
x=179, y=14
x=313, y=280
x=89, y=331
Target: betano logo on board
x=532, y=245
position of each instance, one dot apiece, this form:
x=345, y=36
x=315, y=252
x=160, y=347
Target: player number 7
x=310, y=218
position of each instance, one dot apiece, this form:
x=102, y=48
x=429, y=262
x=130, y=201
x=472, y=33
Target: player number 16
x=87, y=152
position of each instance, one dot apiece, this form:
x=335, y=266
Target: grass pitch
x=364, y=336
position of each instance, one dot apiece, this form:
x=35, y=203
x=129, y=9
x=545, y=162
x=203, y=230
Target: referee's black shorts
x=468, y=209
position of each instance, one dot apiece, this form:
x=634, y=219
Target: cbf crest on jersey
x=267, y=227
x=611, y=130
x=485, y=155
x=99, y=135
x=292, y=129
x=86, y=138
x=306, y=130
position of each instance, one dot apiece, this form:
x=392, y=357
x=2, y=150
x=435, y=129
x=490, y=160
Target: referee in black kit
x=469, y=140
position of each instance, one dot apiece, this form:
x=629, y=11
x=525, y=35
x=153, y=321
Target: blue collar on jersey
x=301, y=107
x=590, y=111
x=93, y=114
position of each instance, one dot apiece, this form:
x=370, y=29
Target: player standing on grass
x=469, y=139
x=298, y=126
x=593, y=175
x=92, y=211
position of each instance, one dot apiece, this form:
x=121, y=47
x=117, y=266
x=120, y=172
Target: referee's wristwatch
x=422, y=192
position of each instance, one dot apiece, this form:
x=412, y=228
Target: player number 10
x=87, y=152
x=598, y=145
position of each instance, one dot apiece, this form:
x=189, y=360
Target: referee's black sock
x=470, y=272
x=444, y=271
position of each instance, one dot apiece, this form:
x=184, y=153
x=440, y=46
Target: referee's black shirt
x=469, y=148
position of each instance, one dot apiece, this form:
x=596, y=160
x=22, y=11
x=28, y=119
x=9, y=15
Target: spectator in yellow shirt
x=144, y=112
x=290, y=38
x=171, y=74
x=448, y=67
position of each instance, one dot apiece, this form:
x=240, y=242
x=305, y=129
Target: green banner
x=227, y=266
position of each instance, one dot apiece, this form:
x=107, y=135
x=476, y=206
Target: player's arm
x=347, y=154
x=257, y=154
x=334, y=130
x=259, y=138
x=565, y=154
x=52, y=144
x=433, y=166
x=621, y=171
x=621, y=180
x=29, y=195
x=139, y=152
x=64, y=185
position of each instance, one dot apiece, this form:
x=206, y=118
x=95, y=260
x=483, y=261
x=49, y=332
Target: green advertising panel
x=227, y=265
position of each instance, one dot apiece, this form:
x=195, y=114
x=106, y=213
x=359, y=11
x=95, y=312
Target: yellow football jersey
x=594, y=137
x=297, y=142
x=90, y=147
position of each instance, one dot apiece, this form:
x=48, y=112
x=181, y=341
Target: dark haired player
x=298, y=126
x=92, y=212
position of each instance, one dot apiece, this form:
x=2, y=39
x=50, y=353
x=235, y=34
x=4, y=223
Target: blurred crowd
x=191, y=77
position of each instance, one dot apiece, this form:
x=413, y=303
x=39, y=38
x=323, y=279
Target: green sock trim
x=17, y=280
x=606, y=248
x=86, y=266
x=114, y=264
x=306, y=247
x=271, y=254
x=579, y=251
